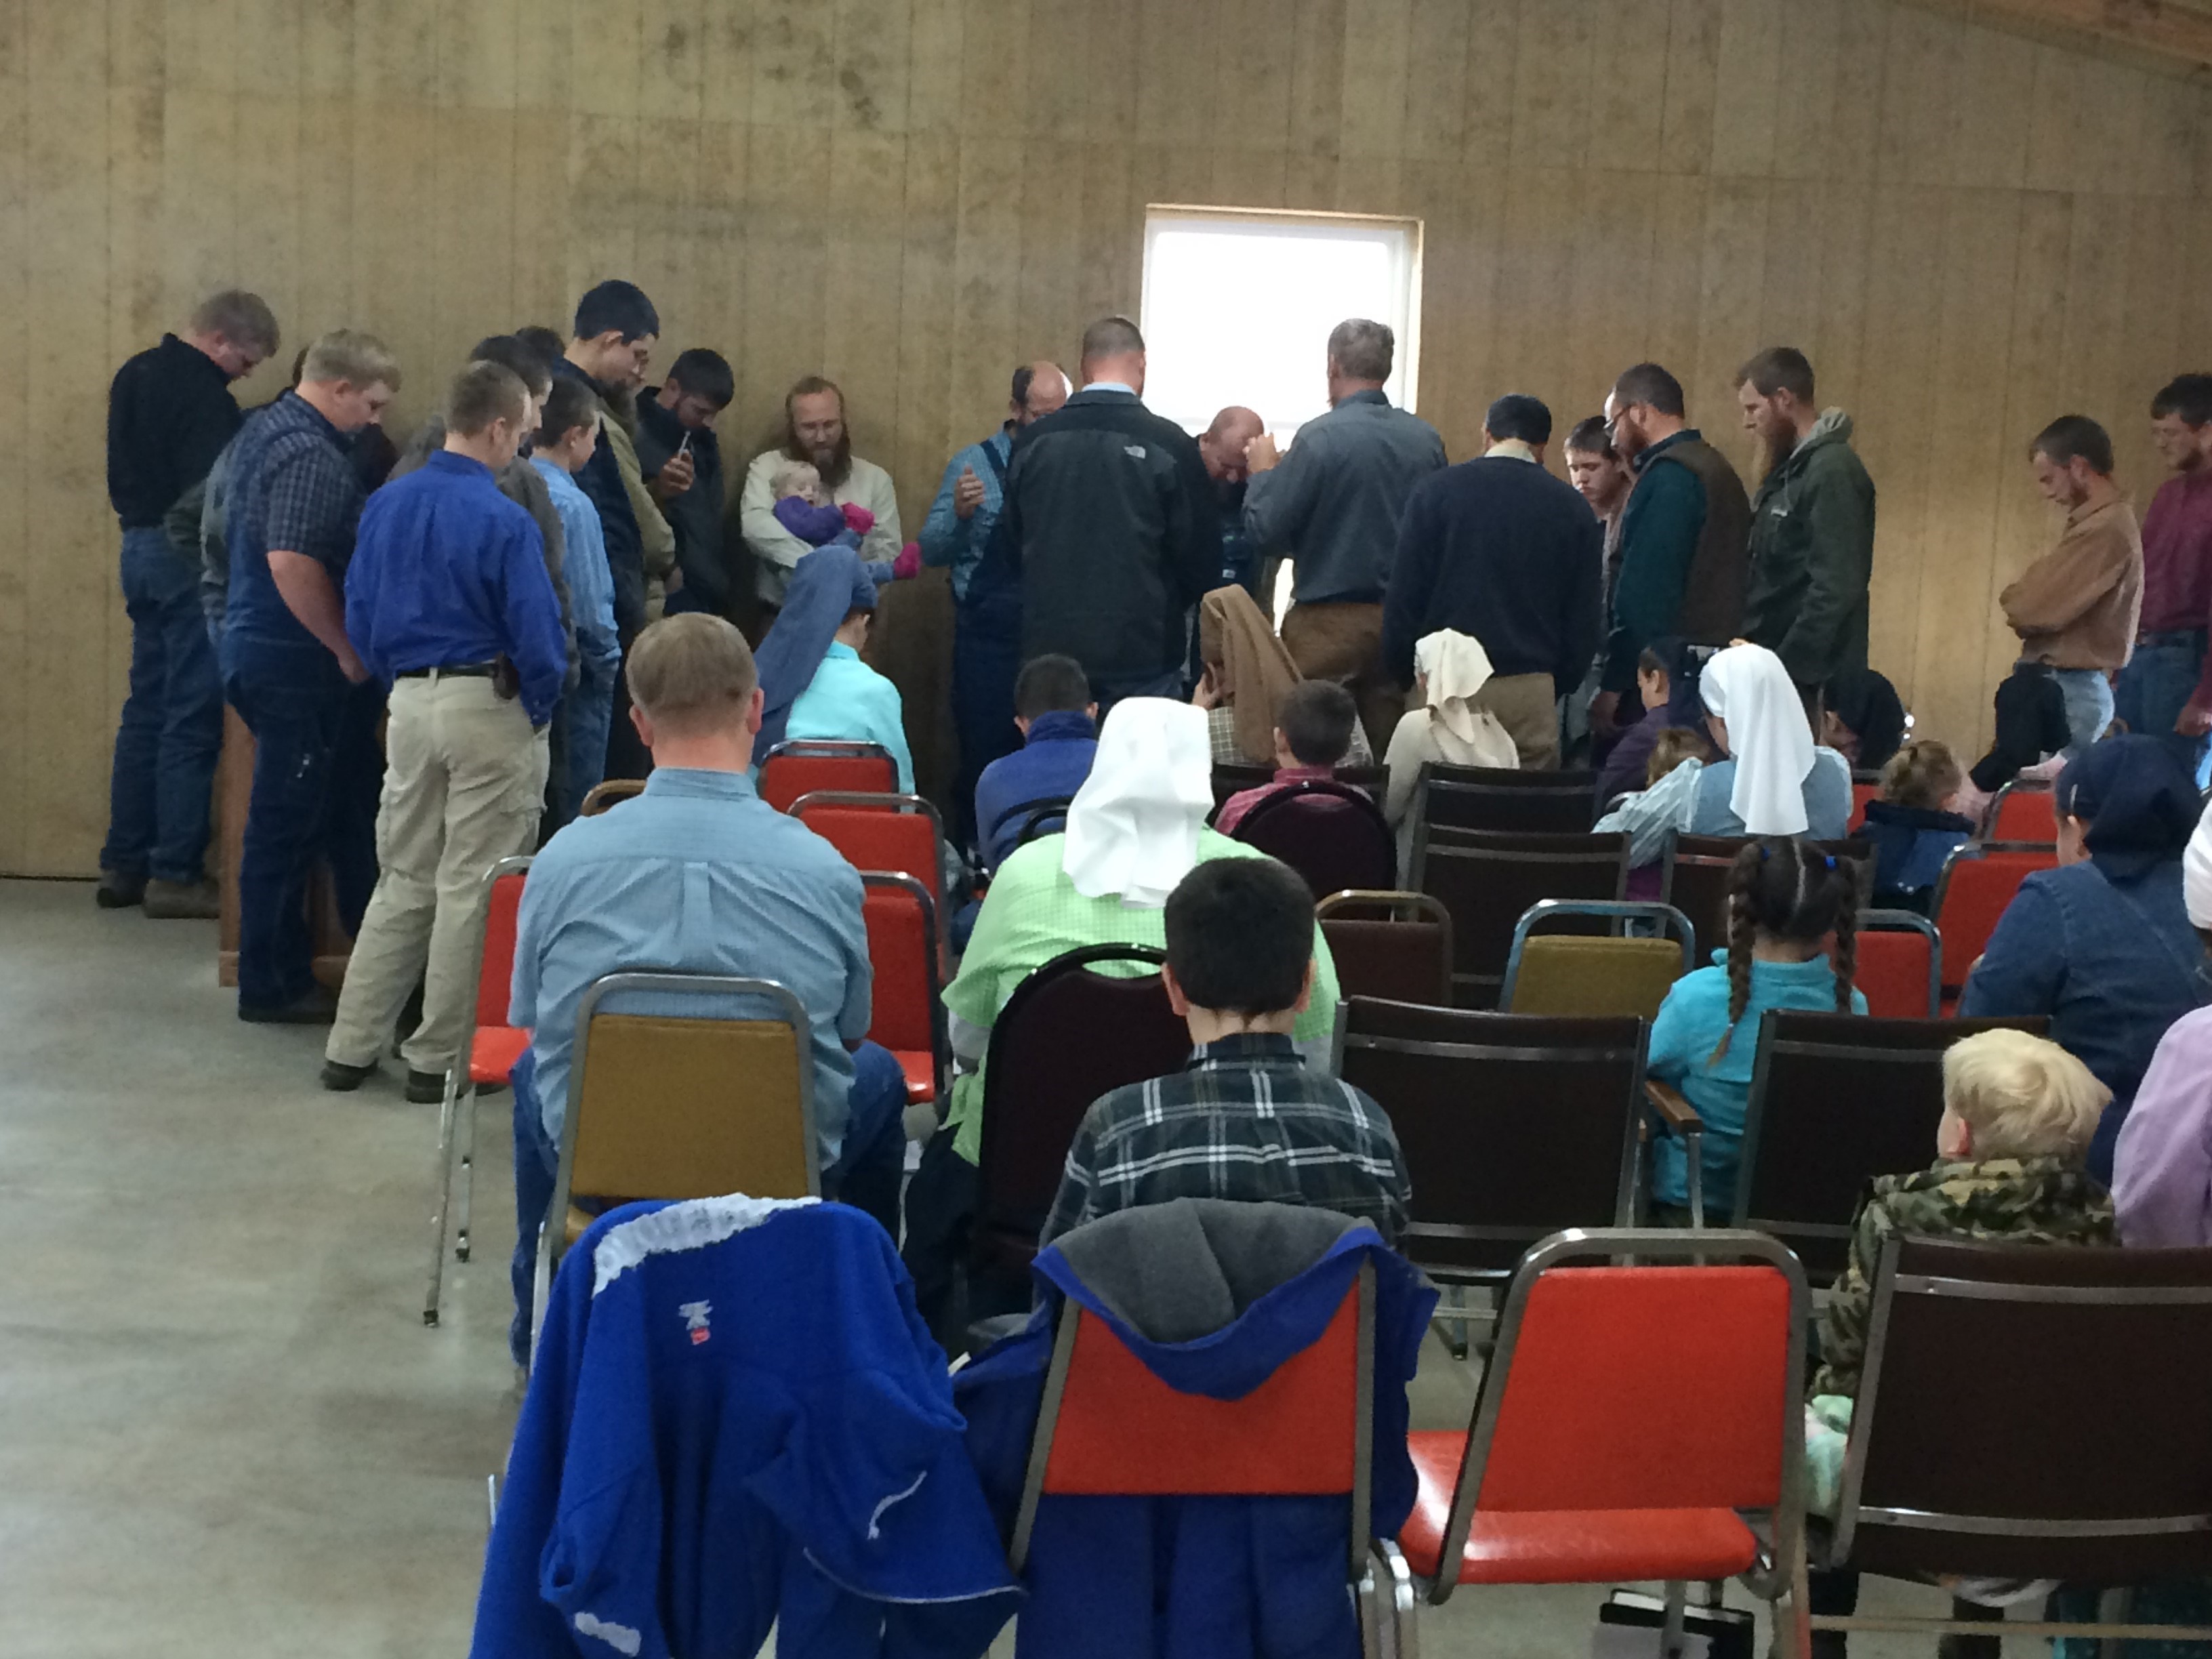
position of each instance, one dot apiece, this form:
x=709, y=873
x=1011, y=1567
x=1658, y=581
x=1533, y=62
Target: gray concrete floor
x=224, y=1430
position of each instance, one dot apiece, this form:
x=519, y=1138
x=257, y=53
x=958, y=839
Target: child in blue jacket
x=1785, y=899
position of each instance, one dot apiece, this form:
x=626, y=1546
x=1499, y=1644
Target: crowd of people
x=549, y=584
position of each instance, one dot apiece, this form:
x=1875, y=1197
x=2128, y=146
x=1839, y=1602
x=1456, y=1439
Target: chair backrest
x=1516, y=1126
x=1067, y=1035
x=1566, y=1417
x=1234, y=777
x=906, y=1016
x=1697, y=878
x=1026, y=820
x=1488, y=880
x=609, y=792
x=2029, y=1411
x=1863, y=791
x=1501, y=799
x=2024, y=814
x=1403, y=955
x=1899, y=966
x=666, y=1105
x=1333, y=835
x=1109, y=1427
x=1836, y=1100
x=1616, y=974
x=1977, y=882
x=877, y=831
x=799, y=768
x=502, y=902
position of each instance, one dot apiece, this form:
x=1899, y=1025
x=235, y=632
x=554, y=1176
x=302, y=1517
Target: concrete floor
x=223, y=1429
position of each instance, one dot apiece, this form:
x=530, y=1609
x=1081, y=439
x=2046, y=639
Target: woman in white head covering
x=1444, y=726
x=1773, y=779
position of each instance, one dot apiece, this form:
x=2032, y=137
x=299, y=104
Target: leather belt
x=468, y=670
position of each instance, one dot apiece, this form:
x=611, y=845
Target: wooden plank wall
x=1969, y=230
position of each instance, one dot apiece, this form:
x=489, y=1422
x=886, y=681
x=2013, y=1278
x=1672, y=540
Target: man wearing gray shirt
x=1331, y=506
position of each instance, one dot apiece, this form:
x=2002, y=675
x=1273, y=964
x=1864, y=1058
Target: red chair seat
x=920, y=1068
x=1571, y=1546
x=493, y=1055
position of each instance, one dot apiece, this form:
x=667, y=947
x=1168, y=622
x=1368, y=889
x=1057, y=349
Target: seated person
x=1862, y=718
x=1245, y=1119
x=1770, y=781
x=1787, y=902
x=1052, y=708
x=698, y=874
x=1137, y=828
x=1626, y=771
x=1314, y=724
x=1247, y=673
x=1675, y=744
x=810, y=671
x=1444, y=727
x=1915, y=824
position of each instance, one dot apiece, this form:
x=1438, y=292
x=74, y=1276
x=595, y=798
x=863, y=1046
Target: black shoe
x=425, y=1088
x=342, y=1078
x=316, y=1006
x=182, y=901
x=119, y=891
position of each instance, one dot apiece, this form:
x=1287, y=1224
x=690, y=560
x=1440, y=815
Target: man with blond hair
x=699, y=875
x=169, y=414
x=287, y=667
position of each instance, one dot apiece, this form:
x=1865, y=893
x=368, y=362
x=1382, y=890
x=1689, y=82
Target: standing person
x=169, y=414
x=1812, y=526
x=2077, y=608
x=2165, y=690
x=1222, y=447
x=1684, y=534
x=1333, y=506
x=1500, y=549
x=987, y=614
x=568, y=433
x=449, y=604
x=1602, y=479
x=1109, y=518
x=814, y=431
x=289, y=668
x=682, y=459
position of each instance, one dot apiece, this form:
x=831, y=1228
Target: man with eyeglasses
x=1684, y=534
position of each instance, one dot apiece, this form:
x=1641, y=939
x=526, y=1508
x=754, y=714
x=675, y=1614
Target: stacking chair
x=1977, y=882
x=1067, y=1035
x=1403, y=955
x=1029, y=818
x=609, y=792
x=907, y=1017
x=1513, y=1125
x=1487, y=879
x=1630, y=1420
x=879, y=830
x=673, y=1105
x=1109, y=1427
x=1330, y=833
x=1697, y=878
x=489, y=1048
x=1900, y=965
x=1836, y=1100
x=1500, y=798
x=2083, y=1455
x=2024, y=814
x=796, y=768
x=1234, y=777
x=1576, y=973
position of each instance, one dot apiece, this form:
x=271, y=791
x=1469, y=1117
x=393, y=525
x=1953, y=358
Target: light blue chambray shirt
x=583, y=564
x=948, y=539
x=848, y=701
x=697, y=874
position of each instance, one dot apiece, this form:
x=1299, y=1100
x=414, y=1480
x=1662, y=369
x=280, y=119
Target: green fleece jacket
x=1812, y=556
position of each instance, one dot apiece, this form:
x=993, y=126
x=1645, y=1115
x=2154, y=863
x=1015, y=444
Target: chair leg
x=1401, y=1602
x=433, y=1292
x=468, y=1174
x=2114, y=1607
x=1671, y=1638
x=541, y=1287
x=1451, y=1321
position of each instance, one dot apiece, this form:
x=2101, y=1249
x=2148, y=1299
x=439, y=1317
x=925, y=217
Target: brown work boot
x=179, y=901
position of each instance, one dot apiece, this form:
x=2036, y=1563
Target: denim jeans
x=866, y=1175
x=590, y=709
x=2152, y=689
x=2088, y=705
x=171, y=732
x=297, y=723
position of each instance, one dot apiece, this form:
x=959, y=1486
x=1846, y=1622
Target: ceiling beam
x=2167, y=26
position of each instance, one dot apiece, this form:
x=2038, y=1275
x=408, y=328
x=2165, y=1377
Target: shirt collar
x=1111, y=386
x=1651, y=452
x=1510, y=449
x=315, y=419
x=1305, y=775
x=445, y=460
x=1062, y=726
x=1241, y=1047
x=2082, y=515
x=1365, y=395
x=840, y=652
x=697, y=782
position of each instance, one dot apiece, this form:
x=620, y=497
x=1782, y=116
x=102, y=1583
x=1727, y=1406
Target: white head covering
x=2196, y=873
x=1453, y=668
x=1132, y=828
x=1768, y=737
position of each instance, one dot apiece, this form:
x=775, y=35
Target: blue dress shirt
x=591, y=582
x=697, y=875
x=446, y=571
x=948, y=539
x=846, y=700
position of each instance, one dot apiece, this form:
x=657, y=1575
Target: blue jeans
x=171, y=732
x=2152, y=689
x=986, y=658
x=591, y=708
x=866, y=1175
x=2088, y=705
x=297, y=724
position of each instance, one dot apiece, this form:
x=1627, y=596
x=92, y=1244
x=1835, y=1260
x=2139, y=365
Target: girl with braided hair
x=1792, y=943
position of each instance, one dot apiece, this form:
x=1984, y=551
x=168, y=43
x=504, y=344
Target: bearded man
x=814, y=432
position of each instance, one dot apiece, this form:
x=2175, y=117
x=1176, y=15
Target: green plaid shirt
x=1245, y=1120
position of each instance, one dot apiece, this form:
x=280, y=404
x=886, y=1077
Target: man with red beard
x=814, y=432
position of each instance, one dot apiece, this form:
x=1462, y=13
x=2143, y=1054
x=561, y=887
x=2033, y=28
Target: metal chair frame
x=1356, y=799
x=2018, y=786
x=1911, y=921
x=939, y=1045
x=1427, y=905
x=830, y=749
x=1620, y=910
x=870, y=800
x=459, y=1082
x=607, y=794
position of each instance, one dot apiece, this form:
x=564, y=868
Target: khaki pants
x=1530, y=713
x=1344, y=643
x=463, y=783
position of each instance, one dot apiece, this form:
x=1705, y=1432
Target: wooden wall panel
x=1971, y=230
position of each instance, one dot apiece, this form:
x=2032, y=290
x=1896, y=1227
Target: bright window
x=1239, y=306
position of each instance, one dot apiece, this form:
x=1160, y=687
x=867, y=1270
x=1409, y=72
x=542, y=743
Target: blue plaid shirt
x=292, y=486
x=1245, y=1120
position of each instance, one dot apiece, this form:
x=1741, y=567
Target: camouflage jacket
x=2037, y=1201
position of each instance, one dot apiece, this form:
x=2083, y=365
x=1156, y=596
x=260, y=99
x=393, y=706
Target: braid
x=1847, y=933
x=1743, y=932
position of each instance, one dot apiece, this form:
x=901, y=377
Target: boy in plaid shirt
x=1244, y=1119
